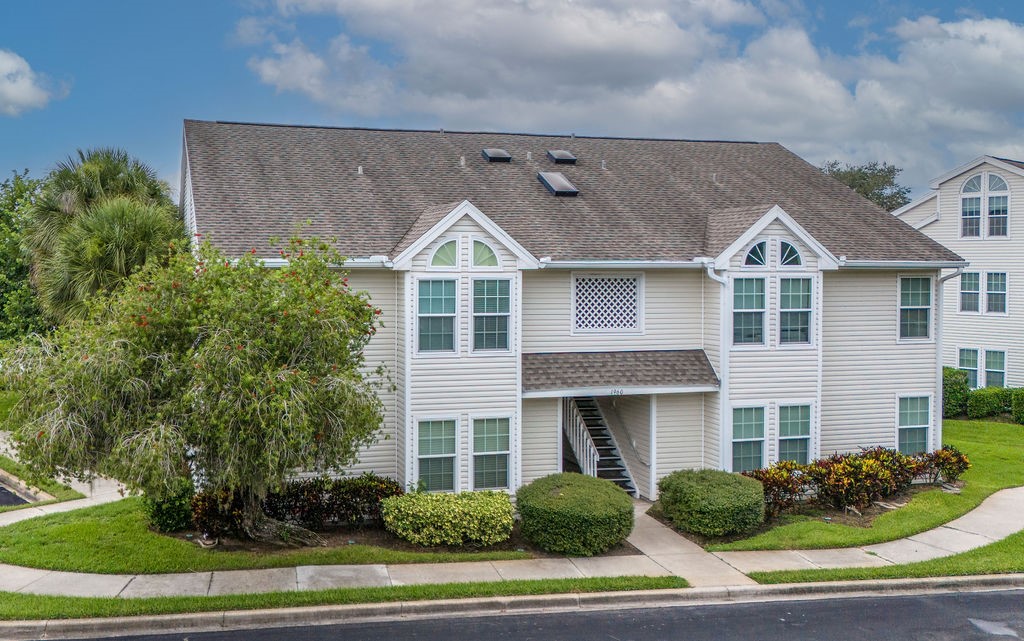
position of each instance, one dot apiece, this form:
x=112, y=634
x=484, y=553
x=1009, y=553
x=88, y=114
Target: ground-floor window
x=436, y=440
x=995, y=368
x=747, y=438
x=968, y=362
x=490, y=453
x=914, y=421
x=795, y=433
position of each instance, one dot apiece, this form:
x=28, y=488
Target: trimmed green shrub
x=783, y=484
x=955, y=391
x=949, y=463
x=171, y=513
x=1017, y=406
x=574, y=514
x=481, y=518
x=897, y=471
x=989, y=401
x=712, y=502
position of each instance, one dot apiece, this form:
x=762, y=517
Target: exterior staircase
x=610, y=465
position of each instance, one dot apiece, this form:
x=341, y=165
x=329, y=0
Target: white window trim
x=441, y=242
x=766, y=326
x=776, y=429
x=472, y=255
x=641, y=329
x=456, y=467
x=978, y=369
x=960, y=291
x=472, y=452
x=472, y=316
x=415, y=309
x=1005, y=292
x=984, y=368
x=931, y=418
x=931, y=310
x=983, y=196
x=767, y=255
x=765, y=439
x=813, y=316
x=796, y=248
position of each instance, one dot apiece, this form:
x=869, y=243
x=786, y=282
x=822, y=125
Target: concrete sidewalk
x=662, y=552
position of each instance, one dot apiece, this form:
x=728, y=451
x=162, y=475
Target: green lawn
x=996, y=451
x=17, y=606
x=115, y=539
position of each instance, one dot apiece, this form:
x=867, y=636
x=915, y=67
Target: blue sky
x=925, y=84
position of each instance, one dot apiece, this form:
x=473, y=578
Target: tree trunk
x=257, y=526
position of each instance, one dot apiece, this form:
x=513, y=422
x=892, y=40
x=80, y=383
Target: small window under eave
x=561, y=157
x=557, y=183
x=494, y=154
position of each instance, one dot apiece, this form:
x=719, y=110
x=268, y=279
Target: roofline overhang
x=547, y=263
x=964, y=168
x=903, y=264
x=379, y=262
x=611, y=390
x=914, y=204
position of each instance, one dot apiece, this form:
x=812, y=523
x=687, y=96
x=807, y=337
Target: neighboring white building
x=628, y=306
x=977, y=210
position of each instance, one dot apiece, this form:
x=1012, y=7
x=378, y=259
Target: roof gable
x=1012, y=166
x=412, y=244
x=826, y=260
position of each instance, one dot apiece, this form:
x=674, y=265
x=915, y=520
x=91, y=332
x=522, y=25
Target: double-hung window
x=748, y=311
x=436, y=315
x=987, y=194
x=970, y=292
x=747, y=438
x=995, y=368
x=490, y=314
x=795, y=433
x=490, y=453
x=436, y=440
x=998, y=206
x=914, y=421
x=995, y=292
x=968, y=362
x=915, y=307
x=795, y=310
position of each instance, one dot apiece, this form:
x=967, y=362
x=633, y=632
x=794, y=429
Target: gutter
x=709, y=266
x=959, y=270
x=619, y=264
x=350, y=263
x=902, y=264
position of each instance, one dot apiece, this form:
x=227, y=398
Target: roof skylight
x=557, y=183
x=495, y=154
x=561, y=157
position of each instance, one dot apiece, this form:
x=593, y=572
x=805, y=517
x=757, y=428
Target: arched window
x=984, y=195
x=789, y=254
x=757, y=256
x=483, y=255
x=447, y=255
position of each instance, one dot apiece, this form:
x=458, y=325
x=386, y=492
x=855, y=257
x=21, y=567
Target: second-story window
x=915, y=307
x=748, y=311
x=795, y=310
x=984, y=207
x=436, y=315
x=490, y=314
x=995, y=292
x=608, y=303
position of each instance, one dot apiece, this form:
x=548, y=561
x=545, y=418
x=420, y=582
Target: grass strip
x=115, y=538
x=996, y=451
x=1001, y=557
x=59, y=491
x=18, y=606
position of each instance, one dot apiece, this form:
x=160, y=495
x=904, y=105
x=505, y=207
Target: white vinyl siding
x=672, y=314
x=681, y=445
x=864, y=365
x=542, y=438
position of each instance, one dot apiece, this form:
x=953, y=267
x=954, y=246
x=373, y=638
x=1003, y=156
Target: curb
x=490, y=606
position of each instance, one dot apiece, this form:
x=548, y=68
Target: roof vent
x=493, y=154
x=557, y=183
x=561, y=157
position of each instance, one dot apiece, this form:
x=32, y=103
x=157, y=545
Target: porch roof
x=612, y=373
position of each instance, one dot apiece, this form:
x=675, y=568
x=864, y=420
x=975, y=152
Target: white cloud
x=21, y=88
x=949, y=92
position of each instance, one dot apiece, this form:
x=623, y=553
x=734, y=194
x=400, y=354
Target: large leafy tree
x=19, y=309
x=73, y=215
x=225, y=372
x=875, y=181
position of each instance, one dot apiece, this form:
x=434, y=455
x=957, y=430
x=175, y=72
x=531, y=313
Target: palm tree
x=81, y=229
x=101, y=247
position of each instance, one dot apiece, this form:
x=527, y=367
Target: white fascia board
x=826, y=261
x=904, y=264
x=980, y=160
x=619, y=391
x=350, y=263
x=911, y=205
x=525, y=259
x=621, y=264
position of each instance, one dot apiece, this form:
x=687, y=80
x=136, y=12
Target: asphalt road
x=959, y=617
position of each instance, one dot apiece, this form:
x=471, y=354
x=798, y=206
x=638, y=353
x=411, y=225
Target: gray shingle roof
x=656, y=368
x=653, y=200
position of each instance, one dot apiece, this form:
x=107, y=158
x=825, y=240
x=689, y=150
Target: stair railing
x=579, y=437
